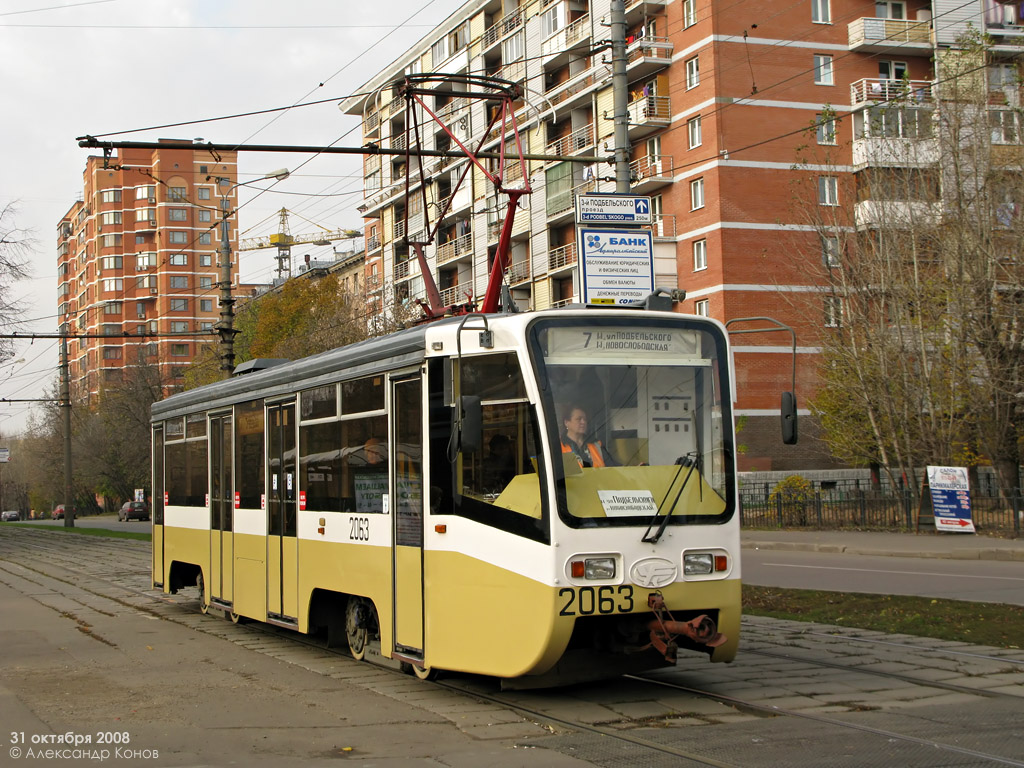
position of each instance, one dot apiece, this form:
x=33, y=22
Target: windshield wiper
x=690, y=460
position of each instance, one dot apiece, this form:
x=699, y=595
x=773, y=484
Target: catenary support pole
x=620, y=96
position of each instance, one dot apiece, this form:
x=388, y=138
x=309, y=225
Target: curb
x=1004, y=554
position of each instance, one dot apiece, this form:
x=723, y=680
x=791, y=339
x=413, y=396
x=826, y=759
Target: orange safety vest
x=596, y=457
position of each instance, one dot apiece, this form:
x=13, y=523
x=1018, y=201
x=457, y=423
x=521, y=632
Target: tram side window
x=186, y=470
x=175, y=473
x=197, y=473
x=497, y=485
x=249, y=461
x=320, y=463
x=364, y=471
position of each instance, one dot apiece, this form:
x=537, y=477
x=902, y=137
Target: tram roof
x=364, y=358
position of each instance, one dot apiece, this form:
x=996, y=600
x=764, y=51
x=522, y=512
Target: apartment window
x=821, y=12
x=689, y=13
x=110, y=196
x=110, y=241
x=179, y=326
x=1003, y=125
x=439, y=51
x=205, y=260
x=179, y=260
x=833, y=311
x=111, y=262
x=113, y=284
x=145, y=193
x=179, y=282
x=206, y=326
x=458, y=38
x=177, y=193
x=696, y=194
x=145, y=260
x=203, y=193
x=177, y=214
x=179, y=350
x=890, y=10
x=140, y=239
x=700, y=255
x=1003, y=76
x=702, y=308
x=828, y=190
x=552, y=20
x=692, y=73
x=512, y=49
x=830, y=251
x=110, y=217
x=204, y=238
x=205, y=282
x=179, y=305
x=206, y=305
x=205, y=216
x=825, y=128
x=693, y=130
x=111, y=329
x=146, y=281
x=823, y=70
x=111, y=353
x=113, y=308
x=178, y=237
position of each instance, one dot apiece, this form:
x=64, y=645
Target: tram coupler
x=665, y=629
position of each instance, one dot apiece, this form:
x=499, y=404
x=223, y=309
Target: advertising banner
x=951, y=499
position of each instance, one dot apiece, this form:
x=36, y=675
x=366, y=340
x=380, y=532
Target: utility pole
x=65, y=404
x=620, y=96
x=226, y=325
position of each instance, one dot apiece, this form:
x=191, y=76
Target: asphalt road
x=975, y=580
x=108, y=522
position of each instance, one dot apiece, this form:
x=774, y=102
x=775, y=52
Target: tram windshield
x=641, y=416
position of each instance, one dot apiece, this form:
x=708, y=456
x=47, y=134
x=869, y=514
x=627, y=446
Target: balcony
x=649, y=173
x=456, y=294
x=371, y=125
x=576, y=87
x=663, y=226
x=896, y=214
x=403, y=269
x=647, y=55
x=870, y=89
x=882, y=35
x=373, y=243
x=561, y=257
x=568, y=37
x=648, y=114
x=562, y=302
x=454, y=249
x=373, y=283
x=563, y=203
x=638, y=9
x=504, y=26
x=571, y=143
x=518, y=272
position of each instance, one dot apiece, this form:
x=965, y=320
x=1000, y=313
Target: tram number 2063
x=359, y=529
x=584, y=601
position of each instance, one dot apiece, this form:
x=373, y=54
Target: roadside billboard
x=951, y=499
x=616, y=265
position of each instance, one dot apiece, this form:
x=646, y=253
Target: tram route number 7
x=584, y=601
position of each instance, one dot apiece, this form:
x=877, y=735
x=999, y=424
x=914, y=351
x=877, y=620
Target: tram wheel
x=356, y=627
x=235, y=618
x=424, y=673
x=204, y=605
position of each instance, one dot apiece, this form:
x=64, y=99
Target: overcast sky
x=71, y=68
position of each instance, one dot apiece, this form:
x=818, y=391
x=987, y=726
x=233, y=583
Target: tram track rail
x=132, y=583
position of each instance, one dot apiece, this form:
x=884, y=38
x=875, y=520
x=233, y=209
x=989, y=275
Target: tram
x=418, y=498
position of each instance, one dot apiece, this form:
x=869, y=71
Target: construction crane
x=283, y=240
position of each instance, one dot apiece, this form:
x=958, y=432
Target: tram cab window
x=497, y=485
x=186, y=471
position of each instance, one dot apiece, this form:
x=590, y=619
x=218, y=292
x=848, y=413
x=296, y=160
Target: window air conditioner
x=153, y=291
x=152, y=198
x=152, y=222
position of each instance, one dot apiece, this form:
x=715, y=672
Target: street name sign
x=613, y=209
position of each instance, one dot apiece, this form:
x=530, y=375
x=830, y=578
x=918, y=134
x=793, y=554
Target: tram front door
x=282, y=543
x=407, y=513
x=222, y=551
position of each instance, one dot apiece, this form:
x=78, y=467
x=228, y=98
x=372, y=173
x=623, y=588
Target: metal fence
x=846, y=506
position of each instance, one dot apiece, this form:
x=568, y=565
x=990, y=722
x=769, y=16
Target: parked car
x=133, y=510
x=58, y=512
x=10, y=515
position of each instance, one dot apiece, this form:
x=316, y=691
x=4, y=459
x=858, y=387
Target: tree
x=922, y=277
x=14, y=246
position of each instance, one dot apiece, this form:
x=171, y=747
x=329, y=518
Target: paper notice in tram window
x=369, y=490
x=627, y=503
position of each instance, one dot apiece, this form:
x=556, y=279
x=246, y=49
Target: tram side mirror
x=789, y=430
x=471, y=434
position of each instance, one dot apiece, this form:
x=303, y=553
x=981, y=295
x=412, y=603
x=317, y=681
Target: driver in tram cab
x=574, y=439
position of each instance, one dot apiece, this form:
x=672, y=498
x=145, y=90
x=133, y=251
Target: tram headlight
x=698, y=564
x=597, y=568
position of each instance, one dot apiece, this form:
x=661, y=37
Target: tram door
x=222, y=556
x=156, y=506
x=407, y=512
x=282, y=543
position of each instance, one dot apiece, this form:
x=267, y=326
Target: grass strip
x=994, y=624
x=136, y=535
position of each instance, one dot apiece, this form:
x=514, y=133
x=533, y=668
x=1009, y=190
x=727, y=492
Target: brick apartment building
x=138, y=255
x=723, y=101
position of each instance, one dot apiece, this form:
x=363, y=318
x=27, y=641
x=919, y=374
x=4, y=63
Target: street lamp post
x=226, y=325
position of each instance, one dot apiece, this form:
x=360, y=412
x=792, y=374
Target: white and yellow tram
x=413, y=496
